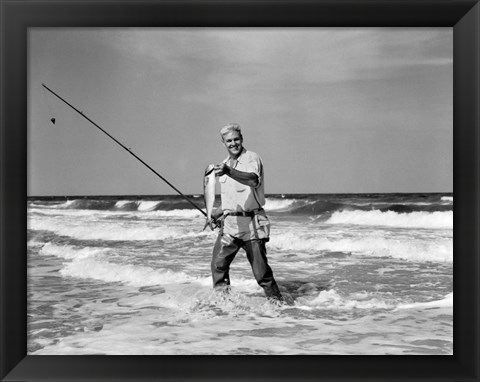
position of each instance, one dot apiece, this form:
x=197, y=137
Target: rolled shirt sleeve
x=254, y=164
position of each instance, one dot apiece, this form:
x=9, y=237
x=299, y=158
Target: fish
x=209, y=195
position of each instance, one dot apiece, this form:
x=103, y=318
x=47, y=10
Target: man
x=244, y=223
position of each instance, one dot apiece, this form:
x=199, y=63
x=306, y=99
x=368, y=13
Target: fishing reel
x=213, y=223
x=216, y=221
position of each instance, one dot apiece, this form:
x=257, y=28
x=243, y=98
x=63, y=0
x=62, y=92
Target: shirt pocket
x=239, y=187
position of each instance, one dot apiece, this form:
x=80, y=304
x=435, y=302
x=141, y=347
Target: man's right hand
x=209, y=223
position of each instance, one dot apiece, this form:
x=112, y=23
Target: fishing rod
x=126, y=149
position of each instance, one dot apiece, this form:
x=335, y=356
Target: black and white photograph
x=240, y=191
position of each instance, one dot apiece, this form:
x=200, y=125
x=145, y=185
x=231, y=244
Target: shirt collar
x=239, y=157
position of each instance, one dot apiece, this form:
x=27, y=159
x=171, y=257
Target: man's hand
x=247, y=178
x=209, y=223
x=221, y=169
x=212, y=223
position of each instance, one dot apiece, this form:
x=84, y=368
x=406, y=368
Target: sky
x=329, y=110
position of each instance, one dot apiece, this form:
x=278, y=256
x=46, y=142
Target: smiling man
x=244, y=223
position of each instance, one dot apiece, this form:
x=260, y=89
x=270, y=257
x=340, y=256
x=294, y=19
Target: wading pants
x=224, y=252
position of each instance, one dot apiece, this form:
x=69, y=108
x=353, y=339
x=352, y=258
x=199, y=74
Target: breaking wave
x=110, y=230
x=302, y=204
x=332, y=300
x=438, y=250
x=447, y=301
x=92, y=263
x=434, y=220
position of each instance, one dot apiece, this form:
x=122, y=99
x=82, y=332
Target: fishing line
x=45, y=96
x=125, y=148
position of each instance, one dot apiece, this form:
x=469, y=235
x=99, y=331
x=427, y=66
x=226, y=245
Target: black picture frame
x=17, y=16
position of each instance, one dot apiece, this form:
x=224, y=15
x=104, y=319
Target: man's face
x=233, y=141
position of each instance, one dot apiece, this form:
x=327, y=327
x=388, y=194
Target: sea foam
x=92, y=263
x=183, y=214
x=447, y=302
x=134, y=275
x=110, y=230
x=433, y=220
x=147, y=205
x=332, y=300
x=440, y=250
x=70, y=252
x=278, y=204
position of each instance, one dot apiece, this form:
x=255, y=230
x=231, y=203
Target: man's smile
x=233, y=141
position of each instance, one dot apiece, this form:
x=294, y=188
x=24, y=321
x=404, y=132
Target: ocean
x=130, y=275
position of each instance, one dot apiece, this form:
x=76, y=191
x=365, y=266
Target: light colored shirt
x=237, y=196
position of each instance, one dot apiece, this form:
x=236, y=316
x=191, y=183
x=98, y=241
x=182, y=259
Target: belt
x=244, y=213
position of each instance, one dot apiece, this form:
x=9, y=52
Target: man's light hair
x=229, y=128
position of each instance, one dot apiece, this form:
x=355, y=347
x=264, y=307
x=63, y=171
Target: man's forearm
x=247, y=178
